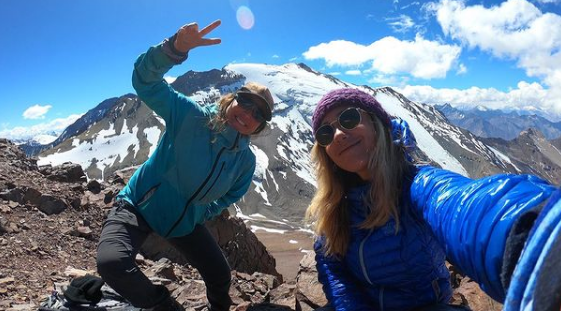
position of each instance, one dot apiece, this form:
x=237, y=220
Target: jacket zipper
x=361, y=256
x=214, y=182
x=381, y=298
x=201, y=186
x=365, y=273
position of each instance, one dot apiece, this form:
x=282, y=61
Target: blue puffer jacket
x=382, y=269
x=443, y=211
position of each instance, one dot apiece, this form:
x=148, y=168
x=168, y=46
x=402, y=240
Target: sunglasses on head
x=249, y=105
x=348, y=119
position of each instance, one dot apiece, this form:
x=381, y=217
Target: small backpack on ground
x=86, y=293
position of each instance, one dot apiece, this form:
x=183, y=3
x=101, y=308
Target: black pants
x=123, y=233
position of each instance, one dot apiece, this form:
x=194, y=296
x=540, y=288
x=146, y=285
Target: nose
x=339, y=134
x=249, y=118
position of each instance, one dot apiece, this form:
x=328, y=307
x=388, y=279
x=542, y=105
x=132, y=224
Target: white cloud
x=420, y=58
x=526, y=96
x=353, y=72
x=514, y=30
x=548, y=1
x=339, y=52
x=462, y=69
x=394, y=81
x=36, y=112
x=54, y=126
x=276, y=56
x=401, y=24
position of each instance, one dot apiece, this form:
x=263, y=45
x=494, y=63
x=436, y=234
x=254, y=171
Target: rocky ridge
x=51, y=218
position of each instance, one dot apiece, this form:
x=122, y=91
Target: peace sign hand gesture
x=189, y=37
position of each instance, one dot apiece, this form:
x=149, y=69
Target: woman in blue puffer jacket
x=385, y=227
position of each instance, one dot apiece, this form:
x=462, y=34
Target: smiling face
x=351, y=149
x=241, y=119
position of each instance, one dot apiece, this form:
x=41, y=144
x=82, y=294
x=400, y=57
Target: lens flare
x=245, y=17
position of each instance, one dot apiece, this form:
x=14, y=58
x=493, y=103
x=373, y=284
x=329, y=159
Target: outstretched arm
x=150, y=67
x=473, y=218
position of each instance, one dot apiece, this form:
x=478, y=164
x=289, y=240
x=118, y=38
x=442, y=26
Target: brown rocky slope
x=51, y=218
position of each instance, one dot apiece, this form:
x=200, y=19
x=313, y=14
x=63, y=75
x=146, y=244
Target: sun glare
x=245, y=17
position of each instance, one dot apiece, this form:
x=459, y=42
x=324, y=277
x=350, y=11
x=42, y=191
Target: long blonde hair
x=328, y=210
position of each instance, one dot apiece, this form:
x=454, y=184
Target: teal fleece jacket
x=195, y=172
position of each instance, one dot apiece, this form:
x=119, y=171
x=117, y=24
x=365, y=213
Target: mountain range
x=122, y=132
x=492, y=123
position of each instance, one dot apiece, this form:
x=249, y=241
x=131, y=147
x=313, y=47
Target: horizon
x=494, y=54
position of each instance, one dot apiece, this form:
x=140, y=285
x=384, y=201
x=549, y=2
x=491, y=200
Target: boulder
x=68, y=172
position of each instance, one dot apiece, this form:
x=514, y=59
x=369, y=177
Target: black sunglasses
x=348, y=119
x=247, y=104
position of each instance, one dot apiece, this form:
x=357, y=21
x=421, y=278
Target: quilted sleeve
x=472, y=218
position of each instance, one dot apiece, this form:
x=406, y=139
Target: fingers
x=194, y=26
x=210, y=27
x=189, y=36
x=211, y=41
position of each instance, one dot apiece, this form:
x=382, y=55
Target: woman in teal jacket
x=202, y=164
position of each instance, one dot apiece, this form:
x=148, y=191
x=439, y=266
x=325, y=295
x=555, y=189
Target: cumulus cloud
x=526, y=96
x=340, y=53
x=420, y=58
x=514, y=30
x=54, y=126
x=36, y=112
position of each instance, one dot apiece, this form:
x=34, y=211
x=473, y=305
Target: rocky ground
x=51, y=217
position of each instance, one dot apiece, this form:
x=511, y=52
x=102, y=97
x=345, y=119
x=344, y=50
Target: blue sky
x=60, y=58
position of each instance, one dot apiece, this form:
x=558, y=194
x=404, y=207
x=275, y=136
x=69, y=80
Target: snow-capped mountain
x=33, y=144
x=46, y=139
x=507, y=125
x=283, y=183
x=531, y=152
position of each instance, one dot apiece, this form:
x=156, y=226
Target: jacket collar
x=229, y=137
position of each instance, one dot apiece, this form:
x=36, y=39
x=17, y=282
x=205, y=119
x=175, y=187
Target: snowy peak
x=126, y=133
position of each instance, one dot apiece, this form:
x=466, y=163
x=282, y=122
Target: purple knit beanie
x=352, y=97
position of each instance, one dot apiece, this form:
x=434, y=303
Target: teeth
x=240, y=121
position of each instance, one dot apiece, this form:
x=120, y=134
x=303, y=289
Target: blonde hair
x=328, y=210
x=219, y=121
